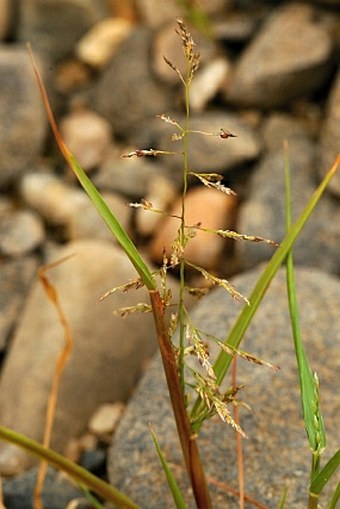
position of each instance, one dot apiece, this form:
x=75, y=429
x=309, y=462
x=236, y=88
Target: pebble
x=21, y=103
x=102, y=41
x=132, y=177
x=264, y=212
x=330, y=137
x=107, y=355
x=53, y=28
x=58, y=491
x=87, y=135
x=298, y=67
x=209, y=207
x=15, y=278
x=211, y=153
x=155, y=14
x=128, y=95
x=106, y=418
x=48, y=195
x=161, y=193
x=64, y=205
x=21, y=232
x=208, y=83
x=85, y=222
x=235, y=28
x=273, y=423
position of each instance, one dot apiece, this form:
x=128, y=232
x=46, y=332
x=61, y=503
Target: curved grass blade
x=243, y=321
x=322, y=478
x=175, y=490
x=333, y=503
x=111, y=221
x=308, y=383
x=282, y=502
x=79, y=474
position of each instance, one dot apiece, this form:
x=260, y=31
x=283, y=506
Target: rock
x=264, y=212
x=102, y=41
x=48, y=195
x=132, y=177
x=64, y=205
x=107, y=355
x=298, y=67
x=209, y=207
x=155, y=14
x=21, y=103
x=272, y=424
x=53, y=28
x=236, y=27
x=15, y=279
x=161, y=194
x=58, y=491
x=208, y=83
x=125, y=94
x=330, y=137
x=105, y=418
x=87, y=135
x=21, y=232
x=5, y=18
x=278, y=127
x=210, y=153
x=85, y=222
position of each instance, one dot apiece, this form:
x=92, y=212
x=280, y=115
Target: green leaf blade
x=172, y=483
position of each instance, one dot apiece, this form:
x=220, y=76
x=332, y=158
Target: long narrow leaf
x=175, y=490
x=333, y=503
x=77, y=473
x=237, y=332
x=325, y=474
x=308, y=383
x=104, y=211
x=282, y=502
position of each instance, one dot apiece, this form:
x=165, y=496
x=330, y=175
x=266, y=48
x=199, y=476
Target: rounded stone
x=276, y=453
x=298, y=66
x=21, y=232
x=88, y=136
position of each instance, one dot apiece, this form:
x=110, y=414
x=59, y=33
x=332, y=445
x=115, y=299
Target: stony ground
x=270, y=72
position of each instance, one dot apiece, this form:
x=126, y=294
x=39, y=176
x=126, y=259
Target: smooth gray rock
x=276, y=453
x=53, y=27
x=126, y=92
x=264, y=211
x=21, y=232
x=15, y=279
x=209, y=153
x=330, y=137
x=22, y=118
x=107, y=355
x=58, y=491
x=290, y=57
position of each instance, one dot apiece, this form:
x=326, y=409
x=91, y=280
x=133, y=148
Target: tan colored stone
x=88, y=136
x=212, y=209
x=102, y=41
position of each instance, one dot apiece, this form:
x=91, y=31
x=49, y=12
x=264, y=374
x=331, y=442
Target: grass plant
x=210, y=398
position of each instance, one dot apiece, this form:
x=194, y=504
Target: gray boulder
x=290, y=57
x=22, y=117
x=107, y=355
x=264, y=211
x=276, y=454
